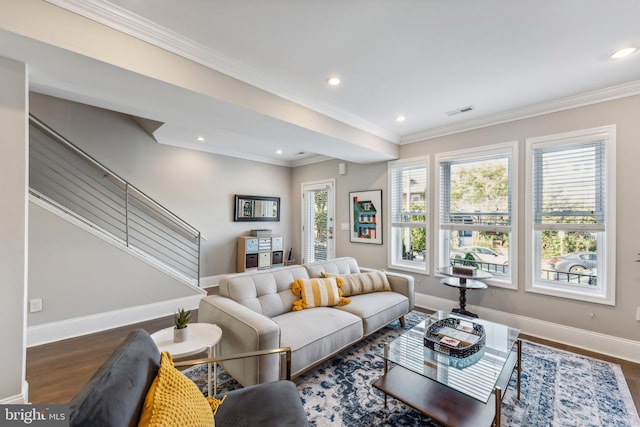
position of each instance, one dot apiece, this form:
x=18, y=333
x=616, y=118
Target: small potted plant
x=181, y=319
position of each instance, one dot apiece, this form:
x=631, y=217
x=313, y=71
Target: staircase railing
x=65, y=176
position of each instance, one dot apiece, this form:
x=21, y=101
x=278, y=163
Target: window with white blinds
x=476, y=219
x=408, y=200
x=476, y=192
x=569, y=185
x=570, y=191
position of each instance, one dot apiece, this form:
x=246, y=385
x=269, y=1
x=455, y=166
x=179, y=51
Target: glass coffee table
x=453, y=391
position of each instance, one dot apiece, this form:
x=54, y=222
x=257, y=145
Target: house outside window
x=408, y=185
x=570, y=215
x=476, y=202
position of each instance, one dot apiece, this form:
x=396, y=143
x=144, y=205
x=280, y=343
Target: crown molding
x=560, y=104
x=120, y=19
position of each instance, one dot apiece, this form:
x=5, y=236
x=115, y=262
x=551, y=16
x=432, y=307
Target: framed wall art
x=365, y=216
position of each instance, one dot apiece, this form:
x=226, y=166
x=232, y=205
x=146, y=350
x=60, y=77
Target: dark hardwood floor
x=57, y=371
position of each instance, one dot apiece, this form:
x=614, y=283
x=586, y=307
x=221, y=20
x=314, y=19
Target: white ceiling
x=419, y=58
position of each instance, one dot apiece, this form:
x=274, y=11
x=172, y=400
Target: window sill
x=577, y=295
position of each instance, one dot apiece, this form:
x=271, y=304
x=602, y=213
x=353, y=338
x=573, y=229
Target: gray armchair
x=114, y=396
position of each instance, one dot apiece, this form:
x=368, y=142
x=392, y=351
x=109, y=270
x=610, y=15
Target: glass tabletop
x=476, y=375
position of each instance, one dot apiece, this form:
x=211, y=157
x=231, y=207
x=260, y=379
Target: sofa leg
x=401, y=321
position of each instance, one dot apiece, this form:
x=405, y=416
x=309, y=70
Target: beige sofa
x=254, y=312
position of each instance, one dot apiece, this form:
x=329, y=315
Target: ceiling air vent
x=460, y=110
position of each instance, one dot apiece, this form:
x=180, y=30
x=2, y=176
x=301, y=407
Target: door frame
x=331, y=213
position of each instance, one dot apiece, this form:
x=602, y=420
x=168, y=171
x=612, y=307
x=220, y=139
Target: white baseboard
x=621, y=348
x=18, y=399
x=56, y=331
x=210, y=281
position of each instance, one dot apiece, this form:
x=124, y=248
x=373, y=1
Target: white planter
x=180, y=335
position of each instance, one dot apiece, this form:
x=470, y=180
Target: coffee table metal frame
x=446, y=405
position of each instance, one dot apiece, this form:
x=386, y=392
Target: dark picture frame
x=365, y=216
x=256, y=208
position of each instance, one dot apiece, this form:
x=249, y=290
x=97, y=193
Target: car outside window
x=569, y=216
x=476, y=210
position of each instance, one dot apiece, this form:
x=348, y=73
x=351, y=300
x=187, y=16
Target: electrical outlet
x=35, y=305
x=344, y=226
x=638, y=314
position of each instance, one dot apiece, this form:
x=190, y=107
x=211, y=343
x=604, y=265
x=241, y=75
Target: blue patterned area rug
x=558, y=389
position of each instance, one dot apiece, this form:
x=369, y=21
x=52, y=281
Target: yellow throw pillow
x=175, y=400
x=362, y=283
x=318, y=293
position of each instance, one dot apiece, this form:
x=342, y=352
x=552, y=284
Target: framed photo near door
x=365, y=216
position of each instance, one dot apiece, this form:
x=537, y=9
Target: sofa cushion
x=343, y=265
x=317, y=334
x=377, y=309
x=173, y=399
x=266, y=292
x=362, y=283
x=318, y=293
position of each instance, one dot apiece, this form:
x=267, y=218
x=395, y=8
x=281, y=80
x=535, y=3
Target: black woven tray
x=432, y=339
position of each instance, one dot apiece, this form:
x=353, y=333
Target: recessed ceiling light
x=333, y=81
x=623, y=52
x=400, y=118
x=278, y=151
x=200, y=138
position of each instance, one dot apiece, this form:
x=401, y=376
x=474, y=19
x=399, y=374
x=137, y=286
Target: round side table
x=464, y=282
x=201, y=337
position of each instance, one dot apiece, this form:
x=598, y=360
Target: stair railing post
x=126, y=213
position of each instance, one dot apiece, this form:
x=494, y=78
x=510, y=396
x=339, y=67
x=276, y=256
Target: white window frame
x=442, y=246
x=605, y=293
x=395, y=260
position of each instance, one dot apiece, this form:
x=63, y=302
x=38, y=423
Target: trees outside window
x=476, y=219
x=408, y=200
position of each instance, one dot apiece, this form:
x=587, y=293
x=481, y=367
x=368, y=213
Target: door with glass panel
x=318, y=208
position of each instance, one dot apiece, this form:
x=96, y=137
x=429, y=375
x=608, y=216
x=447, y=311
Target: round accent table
x=464, y=282
x=201, y=337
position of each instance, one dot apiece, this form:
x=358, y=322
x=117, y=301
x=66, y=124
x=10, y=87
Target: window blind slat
x=569, y=183
x=490, y=205
x=408, y=189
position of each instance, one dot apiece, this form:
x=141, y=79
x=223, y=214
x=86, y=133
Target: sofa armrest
x=400, y=283
x=243, y=330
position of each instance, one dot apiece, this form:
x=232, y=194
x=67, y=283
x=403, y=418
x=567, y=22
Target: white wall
x=198, y=187
x=77, y=273
x=13, y=228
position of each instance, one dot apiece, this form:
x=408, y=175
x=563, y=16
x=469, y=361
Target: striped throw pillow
x=362, y=283
x=318, y=293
